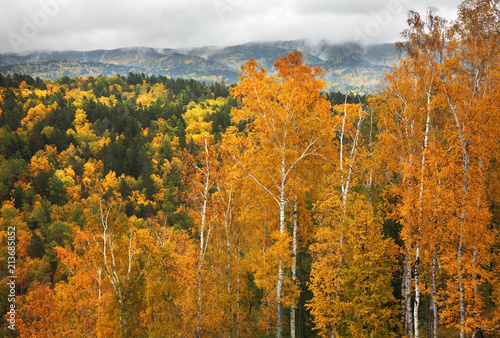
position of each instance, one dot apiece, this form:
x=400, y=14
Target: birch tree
x=444, y=86
x=286, y=118
x=346, y=253
x=202, y=179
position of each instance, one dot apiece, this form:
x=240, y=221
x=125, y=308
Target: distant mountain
x=382, y=54
x=235, y=56
x=346, y=66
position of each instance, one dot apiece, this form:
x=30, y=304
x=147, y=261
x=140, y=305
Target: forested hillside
x=348, y=67
x=147, y=206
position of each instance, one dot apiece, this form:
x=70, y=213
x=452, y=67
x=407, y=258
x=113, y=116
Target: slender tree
x=286, y=117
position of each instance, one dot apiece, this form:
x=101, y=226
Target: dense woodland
x=154, y=207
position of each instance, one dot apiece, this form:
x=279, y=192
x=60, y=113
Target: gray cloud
x=100, y=24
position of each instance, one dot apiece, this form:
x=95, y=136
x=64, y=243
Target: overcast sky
x=106, y=24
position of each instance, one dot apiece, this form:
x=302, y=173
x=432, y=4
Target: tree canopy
x=147, y=206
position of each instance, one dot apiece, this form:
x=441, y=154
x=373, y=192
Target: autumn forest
x=146, y=206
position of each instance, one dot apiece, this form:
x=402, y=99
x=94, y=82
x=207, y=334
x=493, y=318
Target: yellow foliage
x=23, y=243
x=47, y=131
x=41, y=93
x=40, y=315
x=110, y=182
x=80, y=118
x=157, y=181
x=35, y=115
x=108, y=101
x=195, y=118
x=68, y=181
x=25, y=89
x=64, y=155
x=97, y=145
x=140, y=198
x=91, y=172
x=69, y=171
x=78, y=96
x=146, y=98
x=38, y=164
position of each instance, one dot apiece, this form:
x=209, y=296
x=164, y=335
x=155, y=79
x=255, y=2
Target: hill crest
x=347, y=66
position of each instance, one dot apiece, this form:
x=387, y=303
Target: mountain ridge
x=347, y=66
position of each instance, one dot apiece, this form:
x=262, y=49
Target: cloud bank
x=97, y=24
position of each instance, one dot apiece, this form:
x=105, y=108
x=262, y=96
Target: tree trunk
x=279, y=284
x=421, y=218
x=238, y=286
x=279, y=319
x=279, y=290
x=270, y=317
x=199, y=304
x=406, y=315
x=464, y=144
x=229, y=294
x=203, y=240
x=416, y=303
x=301, y=299
x=294, y=267
x=432, y=324
x=229, y=273
x=461, y=286
x=170, y=301
x=475, y=277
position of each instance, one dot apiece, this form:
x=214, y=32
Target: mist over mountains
x=347, y=66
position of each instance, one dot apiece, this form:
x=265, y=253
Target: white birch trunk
x=279, y=284
x=406, y=296
x=227, y=226
x=199, y=303
x=464, y=144
x=420, y=221
x=203, y=242
x=238, y=286
x=199, y=276
x=475, y=277
x=416, y=303
x=461, y=286
x=433, y=318
x=294, y=267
